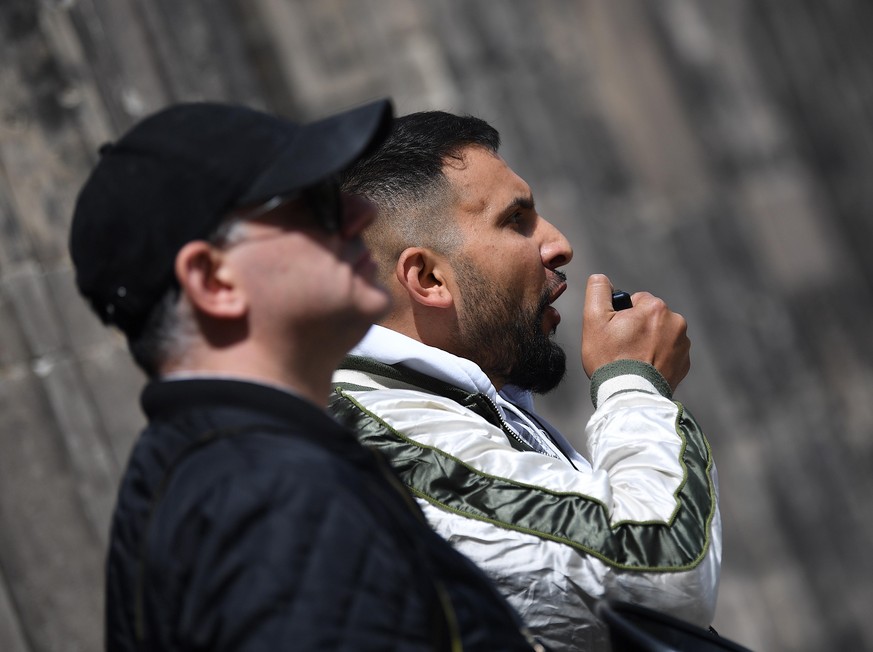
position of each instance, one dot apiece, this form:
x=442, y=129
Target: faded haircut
x=404, y=178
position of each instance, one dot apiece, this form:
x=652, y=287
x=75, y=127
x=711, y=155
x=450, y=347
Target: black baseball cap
x=176, y=174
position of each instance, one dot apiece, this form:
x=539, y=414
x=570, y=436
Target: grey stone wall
x=717, y=153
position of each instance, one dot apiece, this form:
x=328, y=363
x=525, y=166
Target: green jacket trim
x=624, y=367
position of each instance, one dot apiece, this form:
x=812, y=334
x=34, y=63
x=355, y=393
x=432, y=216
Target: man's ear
x=424, y=275
x=208, y=281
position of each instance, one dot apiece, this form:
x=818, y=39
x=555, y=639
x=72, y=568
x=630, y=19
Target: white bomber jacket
x=635, y=519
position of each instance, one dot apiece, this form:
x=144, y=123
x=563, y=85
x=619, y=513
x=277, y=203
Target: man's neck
x=310, y=380
x=428, y=332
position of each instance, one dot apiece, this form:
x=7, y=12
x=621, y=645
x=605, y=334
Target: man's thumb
x=598, y=294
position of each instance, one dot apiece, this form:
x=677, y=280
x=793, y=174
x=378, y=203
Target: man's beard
x=506, y=340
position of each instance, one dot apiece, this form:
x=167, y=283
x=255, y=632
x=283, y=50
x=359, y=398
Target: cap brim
x=322, y=149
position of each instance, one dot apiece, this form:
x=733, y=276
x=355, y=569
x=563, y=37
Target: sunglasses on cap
x=322, y=199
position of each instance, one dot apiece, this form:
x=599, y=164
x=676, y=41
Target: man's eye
x=515, y=219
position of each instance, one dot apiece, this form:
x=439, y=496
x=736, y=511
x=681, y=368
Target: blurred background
x=714, y=152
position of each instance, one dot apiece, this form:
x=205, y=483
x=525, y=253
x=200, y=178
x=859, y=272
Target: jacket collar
x=391, y=347
x=235, y=401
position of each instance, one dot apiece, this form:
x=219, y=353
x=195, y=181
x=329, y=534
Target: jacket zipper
x=508, y=429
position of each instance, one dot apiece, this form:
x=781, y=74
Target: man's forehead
x=470, y=156
x=482, y=180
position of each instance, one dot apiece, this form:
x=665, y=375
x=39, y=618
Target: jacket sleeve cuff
x=624, y=376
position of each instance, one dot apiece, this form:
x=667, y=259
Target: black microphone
x=621, y=300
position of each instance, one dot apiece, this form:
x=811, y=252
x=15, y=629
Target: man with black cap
x=216, y=239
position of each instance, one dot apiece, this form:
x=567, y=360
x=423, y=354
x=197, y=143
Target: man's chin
x=373, y=303
x=544, y=388
x=541, y=373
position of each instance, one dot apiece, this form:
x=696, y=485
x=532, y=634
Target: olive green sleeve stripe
x=570, y=518
x=629, y=368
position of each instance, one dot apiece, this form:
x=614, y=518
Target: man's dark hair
x=404, y=177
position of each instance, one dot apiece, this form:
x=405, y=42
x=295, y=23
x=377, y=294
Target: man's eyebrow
x=522, y=201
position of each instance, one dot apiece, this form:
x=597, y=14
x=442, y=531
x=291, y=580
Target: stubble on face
x=506, y=339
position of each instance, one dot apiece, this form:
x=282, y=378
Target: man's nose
x=358, y=213
x=555, y=248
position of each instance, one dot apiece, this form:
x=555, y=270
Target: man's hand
x=648, y=331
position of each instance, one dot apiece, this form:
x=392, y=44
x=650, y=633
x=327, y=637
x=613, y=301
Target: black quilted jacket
x=248, y=519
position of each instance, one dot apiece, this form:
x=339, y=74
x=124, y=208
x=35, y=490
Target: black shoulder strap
x=475, y=401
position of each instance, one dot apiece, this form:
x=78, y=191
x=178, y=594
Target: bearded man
x=443, y=386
